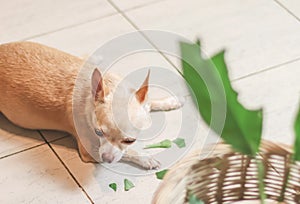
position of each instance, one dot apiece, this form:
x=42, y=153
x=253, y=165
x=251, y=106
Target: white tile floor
x=262, y=39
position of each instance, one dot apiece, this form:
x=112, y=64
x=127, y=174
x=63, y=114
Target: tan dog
x=37, y=89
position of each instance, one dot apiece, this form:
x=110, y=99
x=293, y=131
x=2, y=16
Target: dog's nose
x=106, y=157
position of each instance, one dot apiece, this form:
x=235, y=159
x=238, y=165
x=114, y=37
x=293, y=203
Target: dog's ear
x=141, y=94
x=97, y=86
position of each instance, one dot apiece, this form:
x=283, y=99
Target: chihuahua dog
x=37, y=88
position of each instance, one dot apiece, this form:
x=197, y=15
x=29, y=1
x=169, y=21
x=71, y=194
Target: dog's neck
x=83, y=105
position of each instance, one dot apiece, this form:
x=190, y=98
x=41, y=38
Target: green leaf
x=163, y=144
x=128, y=185
x=179, y=142
x=297, y=140
x=160, y=174
x=113, y=186
x=242, y=127
x=194, y=200
x=261, y=175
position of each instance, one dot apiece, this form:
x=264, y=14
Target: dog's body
x=36, y=89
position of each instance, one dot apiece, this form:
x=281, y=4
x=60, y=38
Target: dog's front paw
x=167, y=104
x=149, y=163
x=176, y=103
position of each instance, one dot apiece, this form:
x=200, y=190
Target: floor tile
x=37, y=176
x=24, y=19
x=279, y=125
x=273, y=90
x=277, y=92
x=292, y=5
x=14, y=139
x=254, y=33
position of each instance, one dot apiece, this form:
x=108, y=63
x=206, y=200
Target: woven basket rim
x=178, y=172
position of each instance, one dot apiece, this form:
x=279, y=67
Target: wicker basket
x=226, y=176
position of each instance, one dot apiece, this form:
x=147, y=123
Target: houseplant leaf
x=128, y=185
x=194, y=200
x=160, y=174
x=180, y=142
x=297, y=139
x=163, y=144
x=242, y=127
x=113, y=186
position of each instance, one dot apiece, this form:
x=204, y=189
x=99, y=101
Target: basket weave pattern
x=226, y=176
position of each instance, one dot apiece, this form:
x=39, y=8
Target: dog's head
x=121, y=113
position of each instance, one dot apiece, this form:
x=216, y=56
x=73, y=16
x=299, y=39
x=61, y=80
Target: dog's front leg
x=88, y=147
x=147, y=162
x=88, y=152
x=166, y=104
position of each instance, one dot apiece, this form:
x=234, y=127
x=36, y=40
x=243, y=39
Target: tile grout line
x=68, y=26
x=23, y=150
x=277, y=66
x=143, y=34
x=143, y=5
x=287, y=10
x=60, y=138
x=87, y=21
x=32, y=147
x=68, y=170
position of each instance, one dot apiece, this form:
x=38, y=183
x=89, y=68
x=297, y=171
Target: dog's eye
x=98, y=132
x=128, y=140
